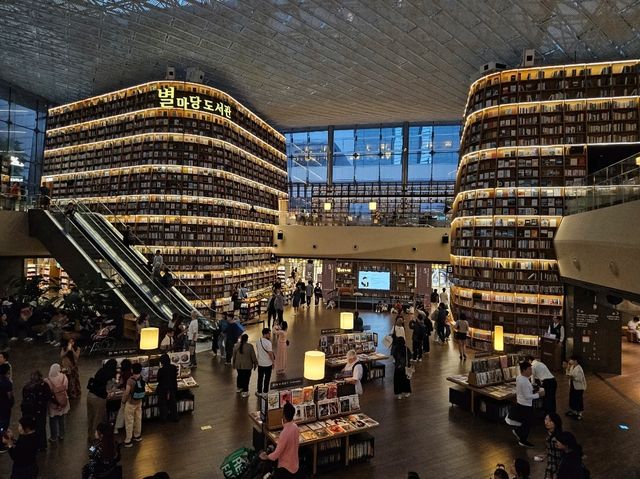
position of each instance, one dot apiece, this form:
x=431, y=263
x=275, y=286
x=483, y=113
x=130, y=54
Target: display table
x=339, y=440
x=498, y=392
x=340, y=362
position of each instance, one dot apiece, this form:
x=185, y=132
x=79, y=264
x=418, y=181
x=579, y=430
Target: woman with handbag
x=403, y=369
x=59, y=404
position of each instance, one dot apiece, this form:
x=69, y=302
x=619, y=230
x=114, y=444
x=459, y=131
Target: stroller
x=102, y=341
x=245, y=463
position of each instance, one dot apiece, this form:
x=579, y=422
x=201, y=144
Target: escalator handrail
x=149, y=250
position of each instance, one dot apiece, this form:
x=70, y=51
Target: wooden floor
x=422, y=433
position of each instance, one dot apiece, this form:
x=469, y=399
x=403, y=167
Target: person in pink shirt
x=286, y=452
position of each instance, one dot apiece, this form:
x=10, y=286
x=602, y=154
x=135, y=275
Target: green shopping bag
x=237, y=462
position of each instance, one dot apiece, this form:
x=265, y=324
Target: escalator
x=91, y=250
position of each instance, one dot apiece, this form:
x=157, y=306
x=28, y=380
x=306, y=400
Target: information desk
x=498, y=392
x=331, y=440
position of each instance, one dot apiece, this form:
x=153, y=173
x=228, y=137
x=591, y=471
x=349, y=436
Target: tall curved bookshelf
x=525, y=141
x=191, y=170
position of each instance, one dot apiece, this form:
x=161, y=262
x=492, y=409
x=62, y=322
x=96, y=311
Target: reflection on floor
x=422, y=433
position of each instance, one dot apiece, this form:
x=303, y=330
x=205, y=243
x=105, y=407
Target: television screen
x=374, y=280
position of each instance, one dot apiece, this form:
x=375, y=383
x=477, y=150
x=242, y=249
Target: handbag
x=387, y=341
x=408, y=370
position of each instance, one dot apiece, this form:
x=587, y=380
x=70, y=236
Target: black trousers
x=525, y=417
x=168, y=404
x=417, y=348
x=318, y=299
x=280, y=313
x=264, y=377
x=271, y=314
x=576, y=398
x=244, y=375
x=228, y=348
x=215, y=337
x=282, y=473
x=401, y=383
x=550, y=386
x=440, y=328
x=425, y=344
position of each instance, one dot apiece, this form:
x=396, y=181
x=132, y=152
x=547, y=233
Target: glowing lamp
x=498, y=338
x=149, y=338
x=638, y=160
x=314, y=365
x=346, y=320
x=327, y=206
x=373, y=206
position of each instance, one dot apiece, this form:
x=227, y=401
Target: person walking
x=577, y=387
x=571, y=465
x=264, y=353
x=309, y=292
x=156, y=265
x=99, y=386
x=244, y=360
x=553, y=425
x=402, y=360
x=444, y=297
x=35, y=403
x=301, y=287
x=125, y=374
x=434, y=300
x=271, y=309
x=59, y=403
x=524, y=406
x=69, y=357
x=234, y=331
x=440, y=316
x=543, y=377
x=132, y=399
x=192, y=338
x=278, y=303
x=167, y=389
x=317, y=292
x=6, y=400
x=281, y=351
x=461, y=328
x=297, y=297
x=428, y=329
x=23, y=451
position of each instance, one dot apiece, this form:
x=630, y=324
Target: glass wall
x=22, y=130
x=307, y=156
x=367, y=154
x=433, y=152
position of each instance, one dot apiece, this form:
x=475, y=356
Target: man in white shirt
x=444, y=297
x=633, y=326
x=192, y=337
x=540, y=374
x=264, y=352
x=524, y=406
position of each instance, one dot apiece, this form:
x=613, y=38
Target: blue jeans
x=56, y=427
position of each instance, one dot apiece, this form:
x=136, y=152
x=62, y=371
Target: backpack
x=443, y=314
x=138, y=390
x=365, y=371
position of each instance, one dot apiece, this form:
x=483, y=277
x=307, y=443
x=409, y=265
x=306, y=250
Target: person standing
x=99, y=386
x=398, y=329
x=353, y=371
x=440, y=316
x=244, y=360
x=301, y=287
x=444, y=297
x=192, y=337
x=317, y=292
x=69, y=357
x=417, y=338
x=4, y=359
x=23, y=451
x=461, y=328
x=283, y=343
x=286, y=452
x=156, y=265
x=243, y=292
x=434, y=300
x=553, y=425
x=297, y=298
x=132, y=399
x=6, y=400
x=524, y=406
x=577, y=387
x=233, y=333
x=278, y=303
x=571, y=466
x=402, y=360
x=167, y=389
x=59, y=403
x=309, y=292
x=271, y=309
x=541, y=374
x=103, y=454
x=264, y=353
x=358, y=323
x=35, y=403
x=125, y=374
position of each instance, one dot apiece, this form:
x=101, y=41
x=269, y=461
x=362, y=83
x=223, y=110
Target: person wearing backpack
x=59, y=404
x=353, y=371
x=132, y=399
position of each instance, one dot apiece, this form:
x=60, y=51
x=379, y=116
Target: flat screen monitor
x=380, y=280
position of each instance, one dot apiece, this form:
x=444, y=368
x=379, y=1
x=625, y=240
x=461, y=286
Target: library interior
x=363, y=239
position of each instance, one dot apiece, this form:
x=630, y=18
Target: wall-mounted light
x=498, y=338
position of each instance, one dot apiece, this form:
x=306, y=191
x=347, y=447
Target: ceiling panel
x=306, y=62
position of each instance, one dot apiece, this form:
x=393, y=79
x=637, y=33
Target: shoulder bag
x=408, y=369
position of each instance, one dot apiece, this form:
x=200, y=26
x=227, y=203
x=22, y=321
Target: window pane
x=307, y=156
x=444, y=166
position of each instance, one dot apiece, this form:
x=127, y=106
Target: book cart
x=335, y=343
x=150, y=366
x=333, y=431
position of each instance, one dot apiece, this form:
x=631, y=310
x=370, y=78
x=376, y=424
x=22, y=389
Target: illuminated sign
x=15, y=161
x=168, y=99
x=16, y=179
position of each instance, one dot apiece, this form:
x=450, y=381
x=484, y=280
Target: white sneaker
x=399, y=396
x=14, y=338
x=239, y=390
x=245, y=395
x=407, y=395
x=28, y=340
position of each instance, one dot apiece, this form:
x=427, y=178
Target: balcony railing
x=341, y=219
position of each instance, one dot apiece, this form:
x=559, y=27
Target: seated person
x=633, y=326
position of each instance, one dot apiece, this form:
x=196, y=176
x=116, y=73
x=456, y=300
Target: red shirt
x=287, y=448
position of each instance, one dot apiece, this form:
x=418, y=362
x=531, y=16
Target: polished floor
x=422, y=433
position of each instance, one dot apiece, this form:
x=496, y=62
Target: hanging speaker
x=445, y=239
x=280, y=235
